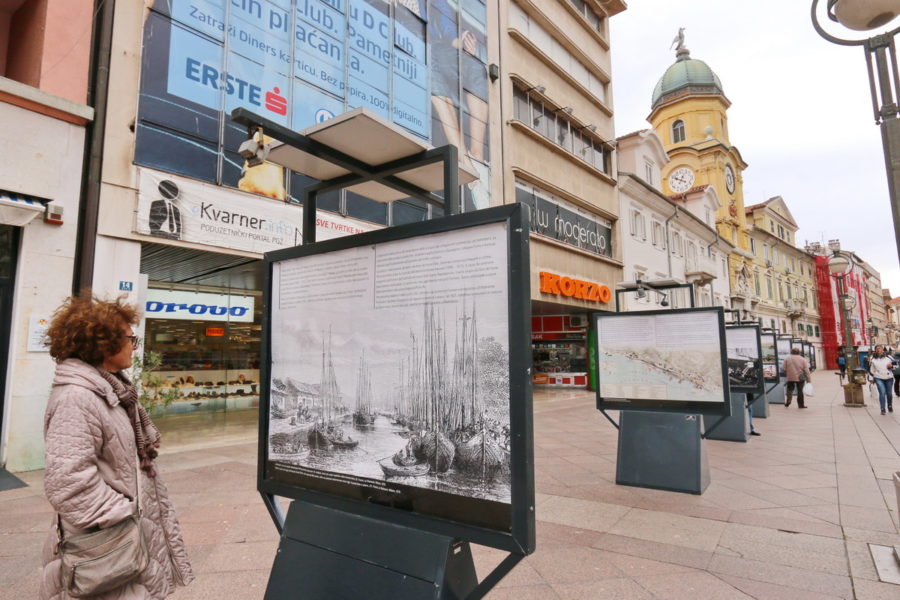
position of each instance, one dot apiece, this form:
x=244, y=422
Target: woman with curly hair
x=99, y=440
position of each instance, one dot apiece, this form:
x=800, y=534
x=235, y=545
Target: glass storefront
x=201, y=350
x=559, y=350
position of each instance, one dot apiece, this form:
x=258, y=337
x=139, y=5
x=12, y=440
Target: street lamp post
x=841, y=264
x=866, y=15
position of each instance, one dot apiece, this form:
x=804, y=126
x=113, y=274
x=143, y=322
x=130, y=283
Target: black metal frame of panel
x=521, y=538
x=759, y=388
x=360, y=172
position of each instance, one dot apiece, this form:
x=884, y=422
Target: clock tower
x=689, y=113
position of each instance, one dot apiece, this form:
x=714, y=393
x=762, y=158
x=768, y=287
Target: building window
x=658, y=235
x=753, y=246
x=772, y=226
x=817, y=330
x=708, y=217
x=555, y=125
x=648, y=173
x=638, y=229
x=769, y=287
x=676, y=244
x=756, y=283
x=551, y=47
x=677, y=131
x=788, y=289
x=588, y=13
x=775, y=255
x=781, y=232
x=766, y=252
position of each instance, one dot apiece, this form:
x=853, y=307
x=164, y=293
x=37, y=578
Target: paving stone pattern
x=787, y=515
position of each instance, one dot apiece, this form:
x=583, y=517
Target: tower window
x=677, y=131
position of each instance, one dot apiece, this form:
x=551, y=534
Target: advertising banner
x=300, y=62
x=177, y=208
x=198, y=306
x=744, y=358
x=390, y=372
x=671, y=360
x=566, y=223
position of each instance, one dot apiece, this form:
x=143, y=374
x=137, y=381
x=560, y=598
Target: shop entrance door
x=9, y=255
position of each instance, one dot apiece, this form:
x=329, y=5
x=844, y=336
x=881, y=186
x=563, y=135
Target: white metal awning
x=369, y=138
x=17, y=209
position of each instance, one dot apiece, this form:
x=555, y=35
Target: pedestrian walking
x=881, y=370
x=842, y=365
x=114, y=534
x=796, y=369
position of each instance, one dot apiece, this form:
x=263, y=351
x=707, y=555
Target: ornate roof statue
x=678, y=42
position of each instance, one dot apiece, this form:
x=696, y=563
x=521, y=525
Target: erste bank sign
x=347, y=48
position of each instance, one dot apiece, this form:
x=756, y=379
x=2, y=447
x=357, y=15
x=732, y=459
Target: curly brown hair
x=88, y=328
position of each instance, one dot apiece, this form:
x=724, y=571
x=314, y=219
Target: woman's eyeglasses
x=135, y=340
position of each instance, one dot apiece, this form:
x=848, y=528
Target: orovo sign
x=198, y=306
x=551, y=283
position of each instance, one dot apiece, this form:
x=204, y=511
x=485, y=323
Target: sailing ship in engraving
x=363, y=416
x=444, y=411
x=327, y=430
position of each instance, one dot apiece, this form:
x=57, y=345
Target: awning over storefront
x=18, y=209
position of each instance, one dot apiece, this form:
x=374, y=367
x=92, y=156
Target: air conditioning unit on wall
x=578, y=321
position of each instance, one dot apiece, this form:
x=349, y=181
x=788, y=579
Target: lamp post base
x=853, y=395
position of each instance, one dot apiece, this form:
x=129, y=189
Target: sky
x=801, y=113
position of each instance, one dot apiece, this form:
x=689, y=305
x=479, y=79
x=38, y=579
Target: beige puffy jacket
x=90, y=480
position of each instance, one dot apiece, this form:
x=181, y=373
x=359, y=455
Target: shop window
x=677, y=131
x=208, y=359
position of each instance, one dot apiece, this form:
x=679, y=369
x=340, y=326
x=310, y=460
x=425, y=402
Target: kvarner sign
x=177, y=208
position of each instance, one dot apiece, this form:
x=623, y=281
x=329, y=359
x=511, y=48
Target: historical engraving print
x=390, y=365
x=665, y=356
x=744, y=364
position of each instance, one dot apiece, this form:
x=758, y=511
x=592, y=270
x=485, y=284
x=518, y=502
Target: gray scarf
x=146, y=435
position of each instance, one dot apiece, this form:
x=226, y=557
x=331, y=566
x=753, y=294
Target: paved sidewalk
x=788, y=515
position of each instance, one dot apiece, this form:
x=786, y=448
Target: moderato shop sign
x=198, y=306
x=560, y=285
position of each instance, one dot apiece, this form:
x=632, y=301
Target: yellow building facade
x=783, y=275
x=689, y=113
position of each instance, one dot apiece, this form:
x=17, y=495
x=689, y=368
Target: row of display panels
x=410, y=394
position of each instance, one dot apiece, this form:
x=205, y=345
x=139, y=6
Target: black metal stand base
x=663, y=451
x=735, y=428
x=775, y=392
x=760, y=406
x=330, y=554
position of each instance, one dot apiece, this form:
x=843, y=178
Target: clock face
x=729, y=179
x=681, y=179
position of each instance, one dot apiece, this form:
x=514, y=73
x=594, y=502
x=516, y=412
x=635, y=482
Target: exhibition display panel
x=395, y=377
x=744, y=358
x=669, y=360
x=769, y=354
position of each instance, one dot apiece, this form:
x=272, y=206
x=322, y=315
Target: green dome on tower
x=686, y=74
